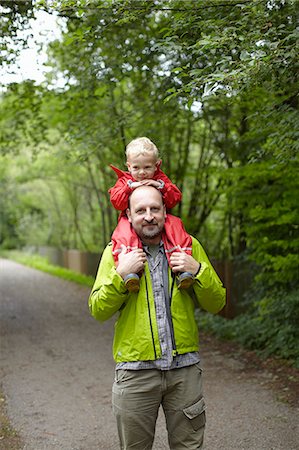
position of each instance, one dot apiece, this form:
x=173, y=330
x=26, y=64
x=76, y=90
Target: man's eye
x=155, y=209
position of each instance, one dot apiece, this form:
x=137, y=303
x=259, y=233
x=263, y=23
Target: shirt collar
x=146, y=247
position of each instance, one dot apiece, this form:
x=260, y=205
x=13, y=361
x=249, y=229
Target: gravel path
x=57, y=372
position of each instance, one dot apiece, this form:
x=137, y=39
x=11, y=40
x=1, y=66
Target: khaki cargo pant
x=137, y=396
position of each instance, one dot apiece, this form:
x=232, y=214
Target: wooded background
x=214, y=84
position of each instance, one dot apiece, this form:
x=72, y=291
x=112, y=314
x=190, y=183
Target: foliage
x=8, y=208
x=271, y=217
x=214, y=84
x=14, y=17
x=51, y=201
x=270, y=327
x=20, y=117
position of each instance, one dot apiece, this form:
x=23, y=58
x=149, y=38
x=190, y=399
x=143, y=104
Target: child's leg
x=125, y=235
x=177, y=236
x=177, y=239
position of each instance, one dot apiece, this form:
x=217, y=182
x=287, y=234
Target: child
x=143, y=164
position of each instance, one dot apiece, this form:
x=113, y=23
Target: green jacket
x=136, y=333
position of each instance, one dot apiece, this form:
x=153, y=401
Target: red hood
x=121, y=173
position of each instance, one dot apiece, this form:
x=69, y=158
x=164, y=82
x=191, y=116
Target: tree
x=14, y=17
x=214, y=84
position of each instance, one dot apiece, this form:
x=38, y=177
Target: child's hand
x=153, y=183
x=136, y=184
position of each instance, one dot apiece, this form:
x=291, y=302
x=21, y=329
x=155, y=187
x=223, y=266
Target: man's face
x=147, y=214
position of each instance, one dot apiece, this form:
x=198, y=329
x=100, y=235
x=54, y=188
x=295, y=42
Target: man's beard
x=148, y=233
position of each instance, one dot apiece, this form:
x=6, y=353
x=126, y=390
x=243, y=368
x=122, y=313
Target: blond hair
x=141, y=146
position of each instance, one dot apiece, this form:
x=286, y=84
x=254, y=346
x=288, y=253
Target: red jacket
x=120, y=192
x=174, y=235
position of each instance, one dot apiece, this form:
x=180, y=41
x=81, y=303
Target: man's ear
x=158, y=164
x=128, y=212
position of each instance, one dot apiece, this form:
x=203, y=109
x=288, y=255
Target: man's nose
x=148, y=216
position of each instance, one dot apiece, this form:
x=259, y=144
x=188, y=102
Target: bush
x=270, y=327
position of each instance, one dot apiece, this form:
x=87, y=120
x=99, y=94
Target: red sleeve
x=120, y=193
x=171, y=193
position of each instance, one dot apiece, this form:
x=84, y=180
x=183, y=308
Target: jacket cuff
x=164, y=189
x=118, y=282
x=202, y=274
x=129, y=185
x=162, y=186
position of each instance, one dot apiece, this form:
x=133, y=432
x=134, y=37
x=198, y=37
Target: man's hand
x=131, y=262
x=181, y=262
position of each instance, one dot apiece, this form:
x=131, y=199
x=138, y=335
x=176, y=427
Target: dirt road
x=57, y=372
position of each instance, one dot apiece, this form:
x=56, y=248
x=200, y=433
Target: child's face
x=142, y=167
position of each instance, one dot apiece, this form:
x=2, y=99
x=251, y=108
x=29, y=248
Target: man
x=156, y=338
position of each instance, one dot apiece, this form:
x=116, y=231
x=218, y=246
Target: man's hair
x=142, y=146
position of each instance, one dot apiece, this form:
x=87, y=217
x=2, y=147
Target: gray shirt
x=158, y=267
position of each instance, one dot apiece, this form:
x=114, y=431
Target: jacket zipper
x=170, y=316
x=149, y=315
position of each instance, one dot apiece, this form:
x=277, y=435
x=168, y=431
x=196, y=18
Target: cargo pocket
x=121, y=375
x=196, y=414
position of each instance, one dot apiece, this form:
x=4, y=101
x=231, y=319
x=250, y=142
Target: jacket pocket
x=196, y=414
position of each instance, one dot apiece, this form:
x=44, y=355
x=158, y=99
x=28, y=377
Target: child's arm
x=171, y=193
x=120, y=193
x=123, y=188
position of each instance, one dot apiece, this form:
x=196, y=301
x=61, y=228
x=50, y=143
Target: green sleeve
x=108, y=292
x=208, y=288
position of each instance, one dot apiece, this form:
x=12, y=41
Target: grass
x=41, y=263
